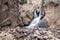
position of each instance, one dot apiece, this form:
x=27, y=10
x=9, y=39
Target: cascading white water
x=37, y=18
x=35, y=21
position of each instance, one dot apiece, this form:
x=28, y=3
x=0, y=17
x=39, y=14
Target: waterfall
x=35, y=21
x=37, y=17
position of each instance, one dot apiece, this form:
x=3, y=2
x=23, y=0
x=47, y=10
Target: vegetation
x=22, y=2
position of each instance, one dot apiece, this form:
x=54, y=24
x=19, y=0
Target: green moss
x=23, y=2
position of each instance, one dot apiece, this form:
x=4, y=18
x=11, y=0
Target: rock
x=8, y=13
x=54, y=1
x=6, y=36
x=52, y=15
x=26, y=13
x=27, y=34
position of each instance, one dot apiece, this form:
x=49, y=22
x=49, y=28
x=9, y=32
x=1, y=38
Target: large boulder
x=9, y=12
x=26, y=13
x=53, y=14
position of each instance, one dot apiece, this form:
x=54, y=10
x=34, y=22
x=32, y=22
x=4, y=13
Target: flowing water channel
x=36, y=20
